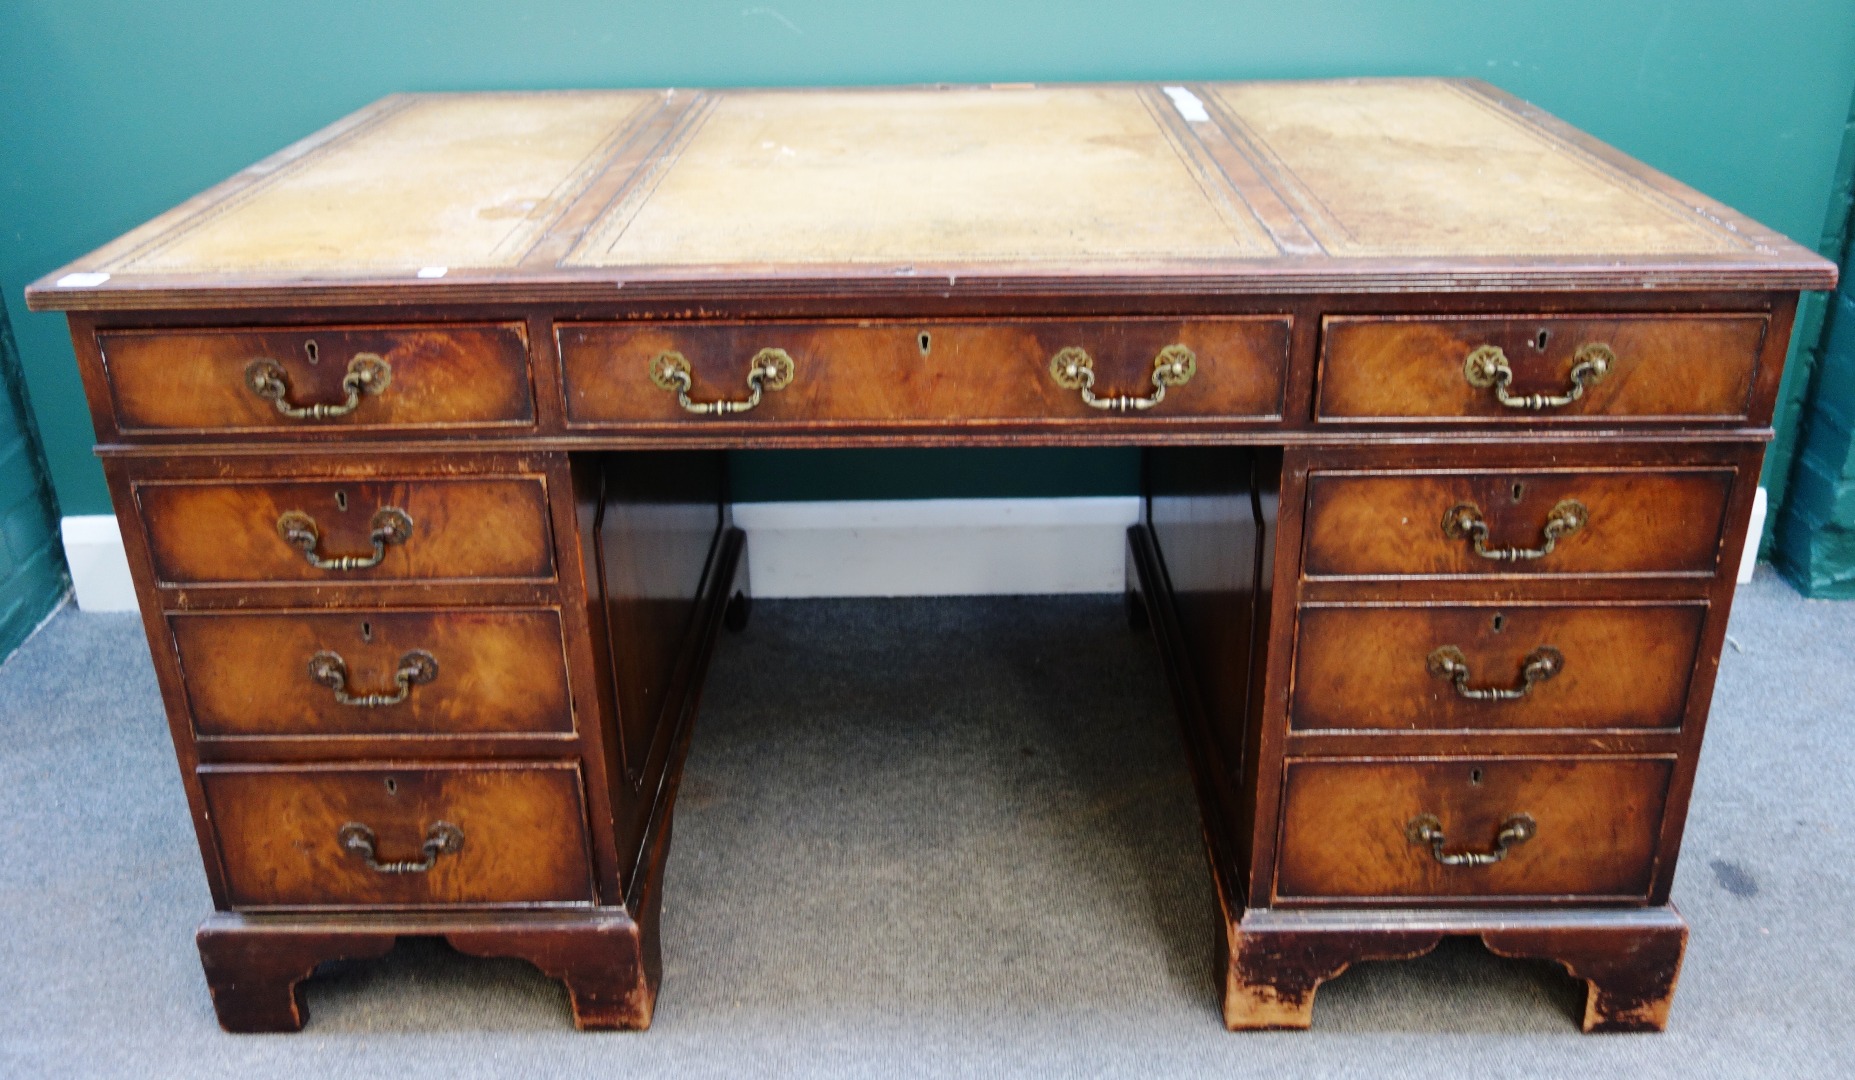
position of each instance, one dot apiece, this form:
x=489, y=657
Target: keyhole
x=341, y=500
x=1539, y=340
x=314, y=354
x=1519, y=489
x=925, y=342
x=1474, y=776
x=392, y=786
x=1500, y=622
x=367, y=629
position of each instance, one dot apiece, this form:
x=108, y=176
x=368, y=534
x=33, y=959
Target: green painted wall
x=1814, y=538
x=32, y=577
x=111, y=112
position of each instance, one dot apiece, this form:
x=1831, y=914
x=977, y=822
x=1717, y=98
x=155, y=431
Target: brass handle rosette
x=1074, y=369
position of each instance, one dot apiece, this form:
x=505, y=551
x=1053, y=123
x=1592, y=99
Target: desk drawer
x=1664, y=367
x=1354, y=828
x=406, y=377
x=264, y=532
x=1495, y=666
x=1586, y=521
x=322, y=673
x=935, y=373
x=464, y=835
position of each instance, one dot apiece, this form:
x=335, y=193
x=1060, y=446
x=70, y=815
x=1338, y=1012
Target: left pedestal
x=439, y=694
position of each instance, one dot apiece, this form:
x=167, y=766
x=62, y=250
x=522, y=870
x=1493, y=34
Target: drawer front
x=488, y=834
x=262, y=532
x=932, y=372
x=417, y=377
x=319, y=673
x=1495, y=666
x=1597, y=521
x=1666, y=367
x=1355, y=829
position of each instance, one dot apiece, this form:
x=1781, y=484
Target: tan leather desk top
x=1287, y=186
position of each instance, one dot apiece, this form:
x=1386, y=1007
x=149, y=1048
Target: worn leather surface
x=448, y=180
x=967, y=175
x=1074, y=179
x=1421, y=167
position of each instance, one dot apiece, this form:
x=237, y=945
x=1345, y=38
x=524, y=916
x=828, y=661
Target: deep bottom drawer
x=483, y=835
x=1581, y=828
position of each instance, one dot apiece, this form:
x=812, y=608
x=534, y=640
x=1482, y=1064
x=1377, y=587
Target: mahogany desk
x=1452, y=420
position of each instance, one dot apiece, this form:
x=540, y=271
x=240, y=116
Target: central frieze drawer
x=929, y=372
x=1465, y=828
x=1653, y=367
x=299, y=379
x=264, y=532
x=366, y=835
x=1495, y=666
x=1533, y=522
x=453, y=671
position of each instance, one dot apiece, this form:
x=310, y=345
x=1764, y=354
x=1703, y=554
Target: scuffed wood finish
x=924, y=373
x=256, y=965
x=499, y=670
x=226, y=533
x=1625, y=665
x=1390, y=524
x=278, y=831
x=661, y=519
x=1343, y=827
x=1273, y=962
x=193, y=381
x=1667, y=368
x=1329, y=251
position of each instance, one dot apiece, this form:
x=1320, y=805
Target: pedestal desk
x=1452, y=418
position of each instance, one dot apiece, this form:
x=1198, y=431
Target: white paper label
x=1188, y=104
x=82, y=281
x=433, y=271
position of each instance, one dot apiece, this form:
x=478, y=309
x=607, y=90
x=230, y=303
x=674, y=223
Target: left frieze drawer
x=295, y=379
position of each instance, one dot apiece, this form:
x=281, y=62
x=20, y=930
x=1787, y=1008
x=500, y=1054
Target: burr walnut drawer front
x=1456, y=828
x=1531, y=369
x=495, y=671
x=377, y=835
x=1491, y=521
x=1495, y=666
x=309, y=378
x=936, y=373
x=338, y=531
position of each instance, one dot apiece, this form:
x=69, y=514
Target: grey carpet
x=922, y=837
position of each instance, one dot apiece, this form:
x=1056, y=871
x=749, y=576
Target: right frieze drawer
x=1472, y=522
x=1531, y=369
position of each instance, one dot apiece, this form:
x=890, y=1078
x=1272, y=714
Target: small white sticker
x=1188, y=104
x=433, y=271
x=82, y=281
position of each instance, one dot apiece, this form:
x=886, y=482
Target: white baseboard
x=1755, y=532
x=925, y=547
x=99, y=566
x=938, y=547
